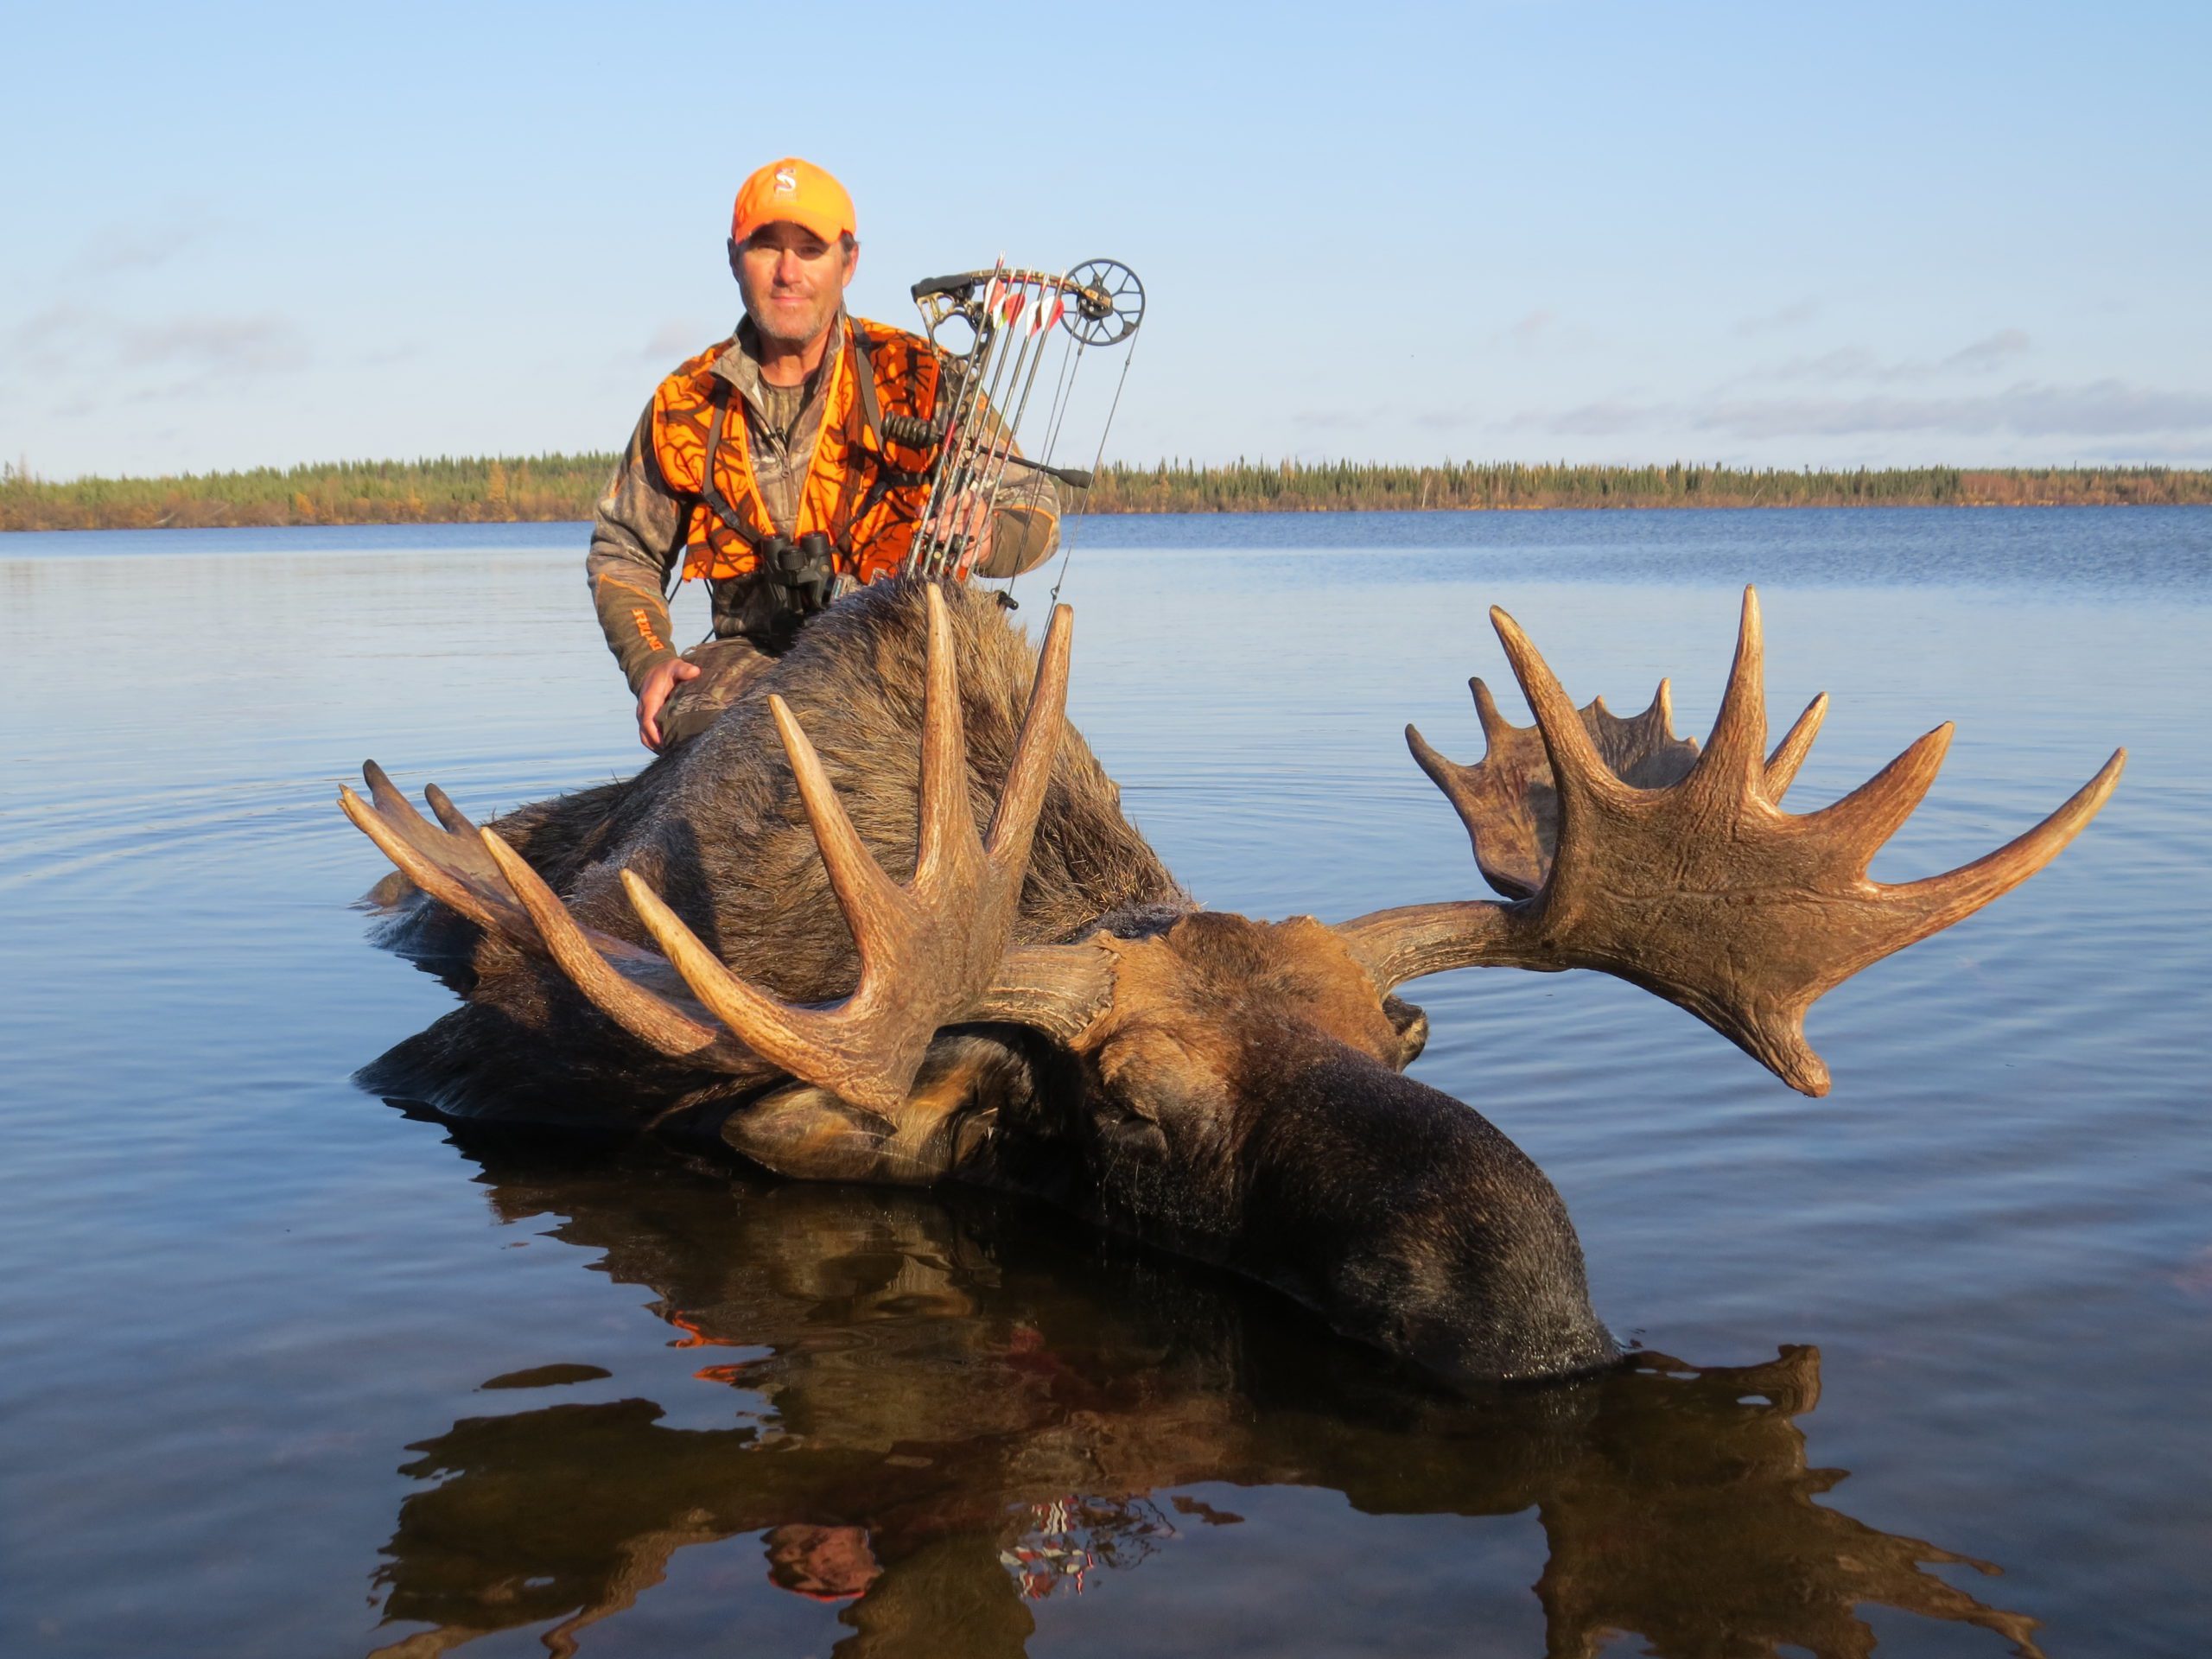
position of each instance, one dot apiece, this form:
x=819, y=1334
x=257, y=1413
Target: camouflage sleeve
x=1025, y=513
x=1025, y=522
x=637, y=534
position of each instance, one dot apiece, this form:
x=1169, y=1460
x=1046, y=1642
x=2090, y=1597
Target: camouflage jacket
x=638, y=532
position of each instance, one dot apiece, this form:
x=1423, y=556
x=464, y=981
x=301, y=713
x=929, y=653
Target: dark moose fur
x=1250, y=1110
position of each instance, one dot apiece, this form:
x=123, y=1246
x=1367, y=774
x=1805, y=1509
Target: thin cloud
x=1992, y=352
x=2172, y=452
x=1335, y=420
x=2096, y=410
x=1605, y=418
x=1543, y=329
x=1848, y=363
x=54, y=338
x=1529, y=327
x=1796, y=316
x=2099, y=408
x=64, y=338
x=120, y=249
x=1445, y=420
x=1845, y=363
x=220, y=346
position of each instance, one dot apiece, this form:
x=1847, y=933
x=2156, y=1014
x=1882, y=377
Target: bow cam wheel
x=1107, y=302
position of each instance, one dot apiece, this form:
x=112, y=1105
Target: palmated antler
x=930, y=950
x=475, y=874
x=1508, y=802
x=1510, y=806
x=1705, y=891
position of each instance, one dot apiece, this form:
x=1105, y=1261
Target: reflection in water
x=956, y=1411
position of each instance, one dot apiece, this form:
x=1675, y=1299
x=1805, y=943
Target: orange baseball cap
x=796, y=190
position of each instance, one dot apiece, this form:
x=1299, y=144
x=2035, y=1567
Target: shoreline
x=562, y=489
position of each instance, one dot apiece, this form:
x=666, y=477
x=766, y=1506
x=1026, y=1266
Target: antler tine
x=449, y=886
x=1495, y=725
x=1731, y=763
x=1510, y=801
x=1429, y=759
x=1789, y=753
x=801, y=1041
x=864, y=893
x=1703, y=890
x=1576, y=763
x=648, y=1018
x=447, y=814
x=948, y=823
x=930, y=952
x=400, y=815
x=385, y=793
x=1013, y=825
x=511, y=902
x=1862, y=822
x=1942, y=899
x=1772, y=1030
x=1656, y=716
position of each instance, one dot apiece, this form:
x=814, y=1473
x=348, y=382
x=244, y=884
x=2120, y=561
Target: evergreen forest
x=562, y=487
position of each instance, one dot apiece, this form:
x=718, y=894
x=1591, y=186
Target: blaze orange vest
x=862, y=491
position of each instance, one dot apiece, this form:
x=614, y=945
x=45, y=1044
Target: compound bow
x=1011, y=316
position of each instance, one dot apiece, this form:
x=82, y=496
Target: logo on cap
x=786, y=180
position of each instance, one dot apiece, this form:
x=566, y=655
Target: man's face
x=793, y=281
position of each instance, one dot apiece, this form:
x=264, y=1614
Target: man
x=771, y=445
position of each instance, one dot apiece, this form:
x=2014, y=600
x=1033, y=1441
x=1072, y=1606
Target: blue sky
x=1880, y=234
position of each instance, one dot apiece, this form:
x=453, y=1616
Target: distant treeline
x=1322, y=486
x=448, y=490
x=551, y=488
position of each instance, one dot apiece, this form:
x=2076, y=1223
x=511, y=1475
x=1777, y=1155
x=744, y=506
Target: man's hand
x=661, y=679
x=970, y=518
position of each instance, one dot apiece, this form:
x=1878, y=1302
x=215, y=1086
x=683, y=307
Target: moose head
x=1232, y=1088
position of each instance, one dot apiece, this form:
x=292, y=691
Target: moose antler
x=475, y=873
x=929, y=950
x=1508, y=802
x=1510, y=805
x=1703, y=891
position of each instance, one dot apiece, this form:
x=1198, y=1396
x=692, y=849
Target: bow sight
x=992, y=330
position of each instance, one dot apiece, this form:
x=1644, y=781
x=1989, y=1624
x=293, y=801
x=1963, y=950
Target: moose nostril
x=1411, y=1023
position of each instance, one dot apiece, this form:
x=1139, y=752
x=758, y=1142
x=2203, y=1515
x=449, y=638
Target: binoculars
x=805, y=572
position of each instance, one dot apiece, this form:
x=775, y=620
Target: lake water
x=288, y=1372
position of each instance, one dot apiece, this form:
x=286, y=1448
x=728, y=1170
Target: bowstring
x=1063, y=394
x=1067, y=534
x=1003, y=450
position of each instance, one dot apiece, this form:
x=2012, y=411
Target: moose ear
x=1411, y=1023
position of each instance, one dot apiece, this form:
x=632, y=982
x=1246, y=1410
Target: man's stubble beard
x=820, y=321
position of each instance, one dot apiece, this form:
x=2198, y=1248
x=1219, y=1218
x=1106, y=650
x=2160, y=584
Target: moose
x=1039, y=1007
